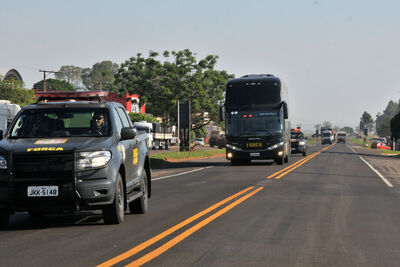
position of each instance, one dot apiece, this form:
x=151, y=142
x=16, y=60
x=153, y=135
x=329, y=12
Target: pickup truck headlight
x=94, y=159
x=3, y=163
x=275, y=146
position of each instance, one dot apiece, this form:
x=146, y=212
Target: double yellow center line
x=247, y=193
x=240, y=197
x=279, y=174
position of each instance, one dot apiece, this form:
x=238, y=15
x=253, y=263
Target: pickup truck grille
x=43, y=166
x=43, y=169
x=295, y=144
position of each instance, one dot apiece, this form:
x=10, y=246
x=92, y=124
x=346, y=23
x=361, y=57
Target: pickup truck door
x=131, y=152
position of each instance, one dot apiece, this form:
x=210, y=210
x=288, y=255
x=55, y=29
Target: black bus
x=256, y=119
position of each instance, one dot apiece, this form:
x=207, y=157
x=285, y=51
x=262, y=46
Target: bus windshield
x=254, y=123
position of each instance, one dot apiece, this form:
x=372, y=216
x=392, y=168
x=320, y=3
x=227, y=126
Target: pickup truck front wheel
x=114, y=213
x=4, y=217
x=139, y=205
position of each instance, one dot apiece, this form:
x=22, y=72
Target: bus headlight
x=302, y=143
x=233, y=147
x=275, y=146
x=95, y=159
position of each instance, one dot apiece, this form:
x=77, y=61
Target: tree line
x=161, y=79
x=386, y=123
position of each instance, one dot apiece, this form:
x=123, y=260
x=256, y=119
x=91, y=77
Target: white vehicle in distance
x=199, y=142
x=341, y=137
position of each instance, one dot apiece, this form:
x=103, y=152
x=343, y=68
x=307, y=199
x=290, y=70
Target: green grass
x=185, y=154
x=157, y=160
x=383, y=151
x=310, y=141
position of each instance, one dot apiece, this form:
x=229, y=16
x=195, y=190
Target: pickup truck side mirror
x=1, y=134
x=128, y=133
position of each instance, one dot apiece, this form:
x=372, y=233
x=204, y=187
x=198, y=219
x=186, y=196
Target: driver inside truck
x=97, y=123
x=41, y=127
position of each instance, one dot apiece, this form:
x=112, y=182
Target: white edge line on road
x=181, y=173
x=369, y=165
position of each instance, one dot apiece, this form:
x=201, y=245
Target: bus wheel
x=4, y=217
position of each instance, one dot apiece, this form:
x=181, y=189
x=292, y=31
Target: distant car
x=199, y=142
x=341, y=137
x=174, y=141
x=378, y=139
x=221, y=141
x=380, y=145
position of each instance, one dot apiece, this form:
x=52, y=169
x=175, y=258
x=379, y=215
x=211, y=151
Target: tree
x=366, y=122
x=70, y=74
x=327, y=124
x=16, y=94
x=182, y=77
x=348, y=130
x=395, y=126
x=141, y=117
x=336, y=128
x=54, y=85
x=100, y=76
x=317, y=126
x=382, y=122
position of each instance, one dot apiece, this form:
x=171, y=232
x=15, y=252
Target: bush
x=21, y=97
x=141, y=117
x=54, y=85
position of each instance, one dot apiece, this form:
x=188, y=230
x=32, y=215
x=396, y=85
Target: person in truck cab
x=97, y=124
x=41, y=127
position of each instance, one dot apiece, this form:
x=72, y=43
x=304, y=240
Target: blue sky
x=339, y=58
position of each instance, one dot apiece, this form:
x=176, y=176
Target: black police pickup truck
x=298, y=142
x=70, y=152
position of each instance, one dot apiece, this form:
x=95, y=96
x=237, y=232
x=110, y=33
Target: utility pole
x=179, y=130
x=44, y=77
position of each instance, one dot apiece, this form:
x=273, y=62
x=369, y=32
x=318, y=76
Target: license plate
x=43, y=191
x=256, y=154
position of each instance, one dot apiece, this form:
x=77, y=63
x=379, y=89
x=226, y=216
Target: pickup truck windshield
x=64, y=122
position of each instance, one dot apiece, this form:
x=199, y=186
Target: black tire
x=279, y=161
x=211, y=145
x=286, y=159
x=219, y=147
x=4, y=218
x=304, y=154
x=234, y=162
x=140, y=205
x=114, y=213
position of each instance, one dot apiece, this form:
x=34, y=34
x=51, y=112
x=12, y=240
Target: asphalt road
x=331, y=209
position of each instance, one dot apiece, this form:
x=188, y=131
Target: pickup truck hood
x=54, y=144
